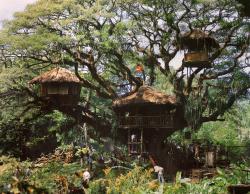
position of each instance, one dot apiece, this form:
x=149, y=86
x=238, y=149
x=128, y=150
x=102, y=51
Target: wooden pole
x=85, y=130
x=141, y=140
x=129, y=141
x=85, y=134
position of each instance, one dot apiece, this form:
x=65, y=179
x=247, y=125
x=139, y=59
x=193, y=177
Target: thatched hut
x=59, y=86
x=150, y=116
x=197, y=46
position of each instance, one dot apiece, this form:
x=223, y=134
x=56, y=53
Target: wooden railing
x=197, y=59
x=163, y=121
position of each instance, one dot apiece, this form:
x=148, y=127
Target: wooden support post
x=141, y=140
x=129, y=152
x=85, y=134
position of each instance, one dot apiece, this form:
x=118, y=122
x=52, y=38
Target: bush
x=135, y=181
x=216, y=185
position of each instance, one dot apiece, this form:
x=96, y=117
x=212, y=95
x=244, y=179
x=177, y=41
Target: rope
x=114, y=167
x=62, y=58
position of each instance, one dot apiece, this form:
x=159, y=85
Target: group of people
x=86, y=174
x=86, y=154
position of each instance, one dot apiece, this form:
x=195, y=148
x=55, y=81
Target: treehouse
x=148, y=116
x=197, y=46
x=59, y=87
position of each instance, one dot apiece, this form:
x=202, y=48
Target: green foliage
x=117, y=180
x=231, y=135
x=7, y=169
x=45, y=176
x=98, y=186
x=227, y=133
x=216, y=185
x=135, y=181
x=163, y=83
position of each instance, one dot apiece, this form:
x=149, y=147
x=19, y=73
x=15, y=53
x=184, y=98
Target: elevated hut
x=148, y=116
x=197, y=46
x=59, y=86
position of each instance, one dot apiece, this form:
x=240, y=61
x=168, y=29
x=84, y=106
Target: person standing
x=86, y=178
x=159, y=171
x=139, y=72
x=133, y=143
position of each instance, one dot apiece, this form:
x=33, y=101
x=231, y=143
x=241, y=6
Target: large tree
x=103, y=40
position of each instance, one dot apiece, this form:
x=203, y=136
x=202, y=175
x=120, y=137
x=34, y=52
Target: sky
x=9, y=7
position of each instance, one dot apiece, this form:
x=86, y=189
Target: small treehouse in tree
x=59, y=87
x=197, y=46
x=149, y=116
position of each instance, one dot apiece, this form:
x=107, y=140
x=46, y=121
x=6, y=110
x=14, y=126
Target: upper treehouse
x=197, y=47
x=148, y=109
x=59, y=87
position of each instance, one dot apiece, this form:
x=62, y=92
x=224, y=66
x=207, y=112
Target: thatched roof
x=57, y=74
x=145, y=95
x=199, y=38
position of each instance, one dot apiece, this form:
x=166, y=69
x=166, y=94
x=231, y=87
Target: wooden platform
x=164, y=121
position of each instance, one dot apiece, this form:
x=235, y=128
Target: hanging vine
x=194, y=110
